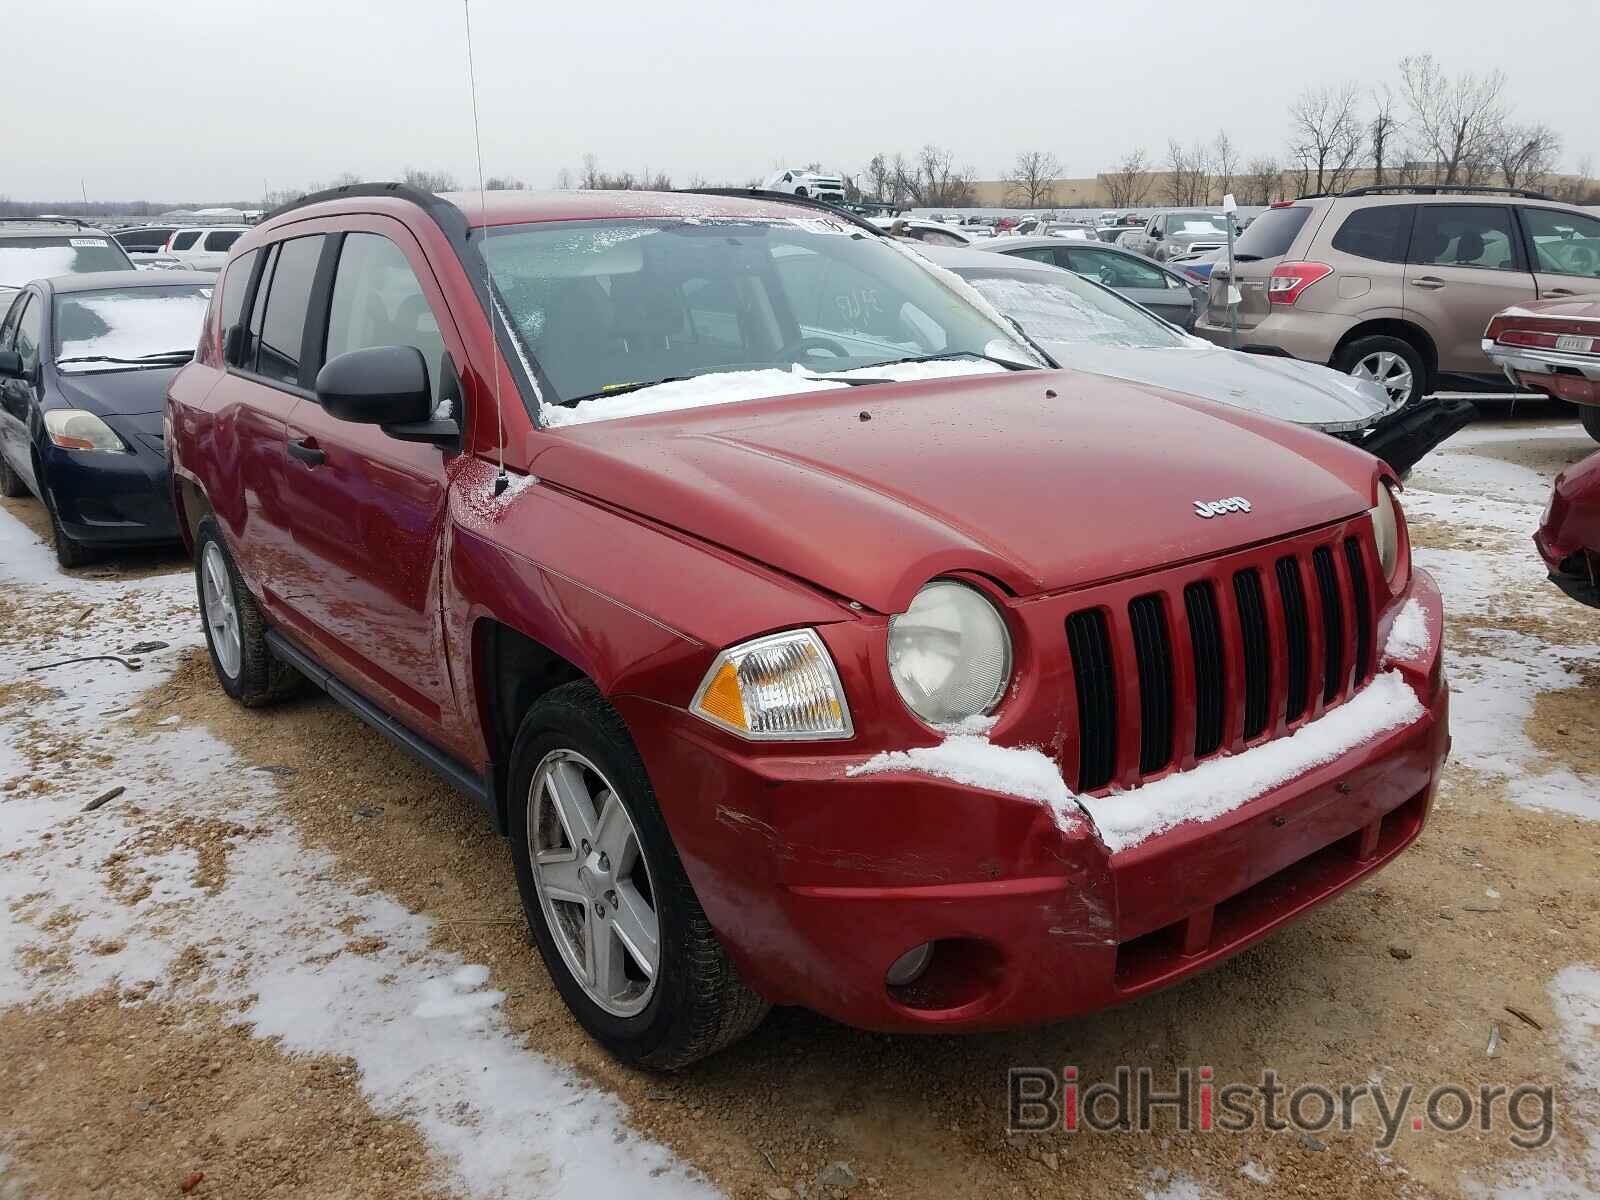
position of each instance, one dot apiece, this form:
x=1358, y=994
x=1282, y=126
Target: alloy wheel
x=1388, y=369
x=594, y=884
x=222, y=614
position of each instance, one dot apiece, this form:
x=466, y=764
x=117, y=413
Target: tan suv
x=1398, y=284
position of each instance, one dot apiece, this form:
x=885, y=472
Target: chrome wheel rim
x=1388, y=369
x=222, y=614
x=593, y=882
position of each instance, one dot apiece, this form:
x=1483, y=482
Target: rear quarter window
x=1382, y=232
x=1272, y=233
x=186, y=239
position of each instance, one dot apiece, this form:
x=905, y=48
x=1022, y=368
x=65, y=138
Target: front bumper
x=111, y=499
x=1566, y=376
x=817, y=882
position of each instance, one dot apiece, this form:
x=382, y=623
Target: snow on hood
x=730, y=387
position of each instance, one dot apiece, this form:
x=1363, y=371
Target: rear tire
x=11, y=484
x=1393, y=362
x=694, y=1003
x=235, y=631
x=1589, y=414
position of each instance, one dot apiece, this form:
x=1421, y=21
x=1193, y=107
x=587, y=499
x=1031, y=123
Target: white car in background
x=806, y=183
x=198, y=247
x=934, y=233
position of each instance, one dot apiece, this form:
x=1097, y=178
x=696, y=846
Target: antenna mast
x=501, y=480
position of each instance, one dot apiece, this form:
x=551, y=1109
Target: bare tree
x=1224, y=162
x=880, y=177
x=1383, y=130
x=1188, y=173
x=1262, y=181
x=1455, y=119
x=1031, y=183
x=590, y=179
x=564, y=179
x=1526, y=154
x=1576, y=188
x=504, y=183
x=1129, y=184
x=429, y=181
x=932, y=180
x=1326, y=138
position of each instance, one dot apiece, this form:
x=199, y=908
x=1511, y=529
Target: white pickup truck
x=795, y=182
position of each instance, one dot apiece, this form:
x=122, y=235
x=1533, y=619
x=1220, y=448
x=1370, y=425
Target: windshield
x=1065, y=308
x=27, y=258
x=604, y=307
x=124, y=327
x=1197, y=222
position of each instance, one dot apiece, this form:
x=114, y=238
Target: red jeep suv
x=812, y=641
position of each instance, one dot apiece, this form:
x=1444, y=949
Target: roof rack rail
x=446, y=215
x=81, y=224
x=1444, y=189
x=843, y=214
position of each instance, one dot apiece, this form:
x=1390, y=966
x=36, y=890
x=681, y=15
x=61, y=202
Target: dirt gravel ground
x=1445, y=968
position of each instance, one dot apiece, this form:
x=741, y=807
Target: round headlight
x=949, y=653
x=1386, y=532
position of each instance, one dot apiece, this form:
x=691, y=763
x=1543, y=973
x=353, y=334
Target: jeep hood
x=869, y=493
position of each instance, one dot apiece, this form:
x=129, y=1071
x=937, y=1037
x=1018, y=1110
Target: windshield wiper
x=620, y=389
x=922, y=358
x=142, y=360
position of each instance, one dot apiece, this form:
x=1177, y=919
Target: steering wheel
x=1583, y=259
x=807, y=345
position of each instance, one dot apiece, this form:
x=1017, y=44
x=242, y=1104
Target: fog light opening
x=908, y=968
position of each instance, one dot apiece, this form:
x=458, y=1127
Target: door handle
x=1428, y=282
x=1561, y=292
x=307, y=452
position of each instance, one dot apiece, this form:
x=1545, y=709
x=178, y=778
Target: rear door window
x=186, y=239
x=1380, y=232
x=1116, y=270
x=1464, y=235
x=1272, y=233
x=283, y=322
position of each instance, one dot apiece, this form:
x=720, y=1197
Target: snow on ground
x=421, y=1026
x=1493, y=694
x=1575, y=996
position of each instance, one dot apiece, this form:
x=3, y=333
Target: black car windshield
x=1196, y=222
x=1058, y=306
x=40, y=256
x=616, y=306
x=122, y=328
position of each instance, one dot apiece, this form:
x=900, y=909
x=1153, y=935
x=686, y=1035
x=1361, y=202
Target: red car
x=1569, y=536
x=812, y=642
x=1552, y=346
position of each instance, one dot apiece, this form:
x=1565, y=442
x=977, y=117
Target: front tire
x=1393, y=363
x=606, y=896
x=69, y=553
x=236, y=634
x=1589, y=414
x=11, y=484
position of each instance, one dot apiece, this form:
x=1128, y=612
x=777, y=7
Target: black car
x=84, y=366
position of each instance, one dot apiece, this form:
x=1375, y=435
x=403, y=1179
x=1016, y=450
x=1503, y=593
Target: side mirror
x=1155, y=232
x=10, y=364
x=382, y=385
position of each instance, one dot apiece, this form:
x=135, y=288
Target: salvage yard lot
x=287, y=961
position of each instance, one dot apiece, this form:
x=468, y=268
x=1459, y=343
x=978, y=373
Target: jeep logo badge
x=1219, y=508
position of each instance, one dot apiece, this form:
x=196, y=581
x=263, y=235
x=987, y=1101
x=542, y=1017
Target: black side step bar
x=455, y=772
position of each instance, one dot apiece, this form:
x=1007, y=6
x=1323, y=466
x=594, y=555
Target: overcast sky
x=209, y=99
